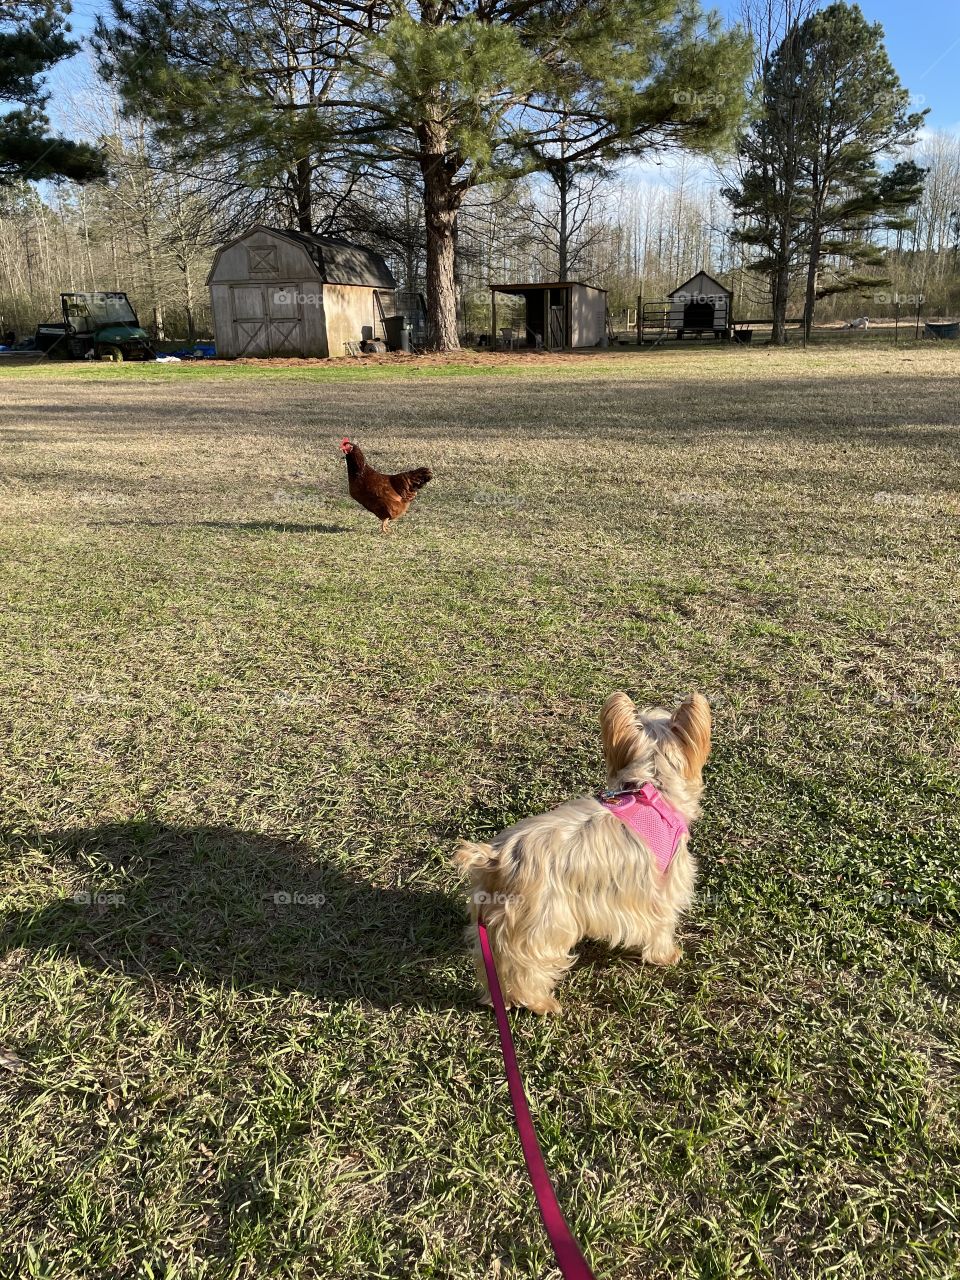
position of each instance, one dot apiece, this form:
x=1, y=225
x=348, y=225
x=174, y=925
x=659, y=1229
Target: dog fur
x=578, y=872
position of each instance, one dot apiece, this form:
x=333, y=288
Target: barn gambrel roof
x=340, y=262
x=336, y=261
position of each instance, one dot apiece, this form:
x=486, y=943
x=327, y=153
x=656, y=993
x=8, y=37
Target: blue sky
x=922, y=37
x=923, y=41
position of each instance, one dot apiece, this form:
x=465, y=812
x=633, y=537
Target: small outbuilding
x=285, y=293
x=557, y=314
x=700, y=305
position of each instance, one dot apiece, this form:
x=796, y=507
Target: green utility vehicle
x=101, y=325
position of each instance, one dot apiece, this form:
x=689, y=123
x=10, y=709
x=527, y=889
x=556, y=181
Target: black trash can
x=398, y=333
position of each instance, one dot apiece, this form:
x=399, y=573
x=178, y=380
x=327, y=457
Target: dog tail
x=470, y=856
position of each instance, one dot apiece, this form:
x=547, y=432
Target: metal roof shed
x=557, y=313
x=285, y=293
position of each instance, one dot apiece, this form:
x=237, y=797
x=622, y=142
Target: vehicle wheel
x=106, y=351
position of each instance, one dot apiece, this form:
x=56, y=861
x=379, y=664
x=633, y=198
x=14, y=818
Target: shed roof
x=706, y=276
x=544, y=284
x=336, y=261
x=340, y=262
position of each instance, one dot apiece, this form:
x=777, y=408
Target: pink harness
x=647, y=814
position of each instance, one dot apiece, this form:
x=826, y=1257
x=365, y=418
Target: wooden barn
x=557, y=314
x=700, y=305
x=285, y=293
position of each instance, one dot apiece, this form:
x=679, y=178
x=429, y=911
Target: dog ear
x=691, y=726
x=618, y=730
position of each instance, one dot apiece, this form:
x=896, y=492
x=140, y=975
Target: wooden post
x=640, y=317
x=919, y=305
x=896, y=320
x=493, y=319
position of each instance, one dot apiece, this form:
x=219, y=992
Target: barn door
x=249, y=320
x=267, y=320
x=286, y=320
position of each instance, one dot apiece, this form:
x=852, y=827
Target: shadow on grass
x=271, y=526
x=240, y=526
x=250, y=911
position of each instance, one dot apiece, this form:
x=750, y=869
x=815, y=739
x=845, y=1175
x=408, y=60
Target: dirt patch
x=433, y=359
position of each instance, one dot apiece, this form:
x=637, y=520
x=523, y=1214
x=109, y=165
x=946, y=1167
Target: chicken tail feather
x=418, y=478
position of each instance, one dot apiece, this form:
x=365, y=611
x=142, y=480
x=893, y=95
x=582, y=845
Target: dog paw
x=664, y=958
x=544, y=1006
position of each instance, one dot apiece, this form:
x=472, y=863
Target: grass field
x=223, y=687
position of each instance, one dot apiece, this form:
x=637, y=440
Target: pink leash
x=569, y=1258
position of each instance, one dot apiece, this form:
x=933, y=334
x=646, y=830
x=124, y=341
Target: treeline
x=154, y=205
x=152, y=230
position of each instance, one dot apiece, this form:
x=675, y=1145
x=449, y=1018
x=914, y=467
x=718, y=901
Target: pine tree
x=470, y=93
x=858, y=113
x=811, y=189
x=33, y=38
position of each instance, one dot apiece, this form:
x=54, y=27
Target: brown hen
x=388, y=497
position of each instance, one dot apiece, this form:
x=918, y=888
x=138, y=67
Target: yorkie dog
x=614, y=867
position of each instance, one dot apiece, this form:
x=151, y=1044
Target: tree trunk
x=813, y=271
x=441, y=201
x=563, y=230
x=781, y=292
x=303, y=186
x=188, y=301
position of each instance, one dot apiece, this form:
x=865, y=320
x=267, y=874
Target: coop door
x=698, y=316
x=558, y=328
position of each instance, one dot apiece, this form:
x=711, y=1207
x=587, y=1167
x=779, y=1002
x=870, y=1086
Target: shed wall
x=349, y=309
x=588, y=313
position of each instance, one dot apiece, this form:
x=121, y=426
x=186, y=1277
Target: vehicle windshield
x=88, y=312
